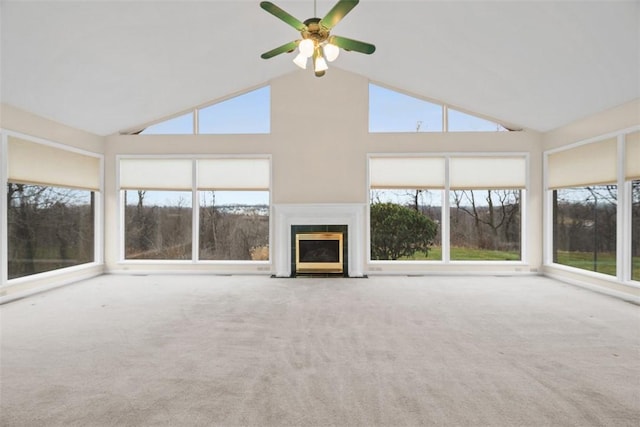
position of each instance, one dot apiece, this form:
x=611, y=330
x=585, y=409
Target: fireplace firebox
x=319, y=250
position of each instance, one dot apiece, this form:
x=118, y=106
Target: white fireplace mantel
x=349, y=214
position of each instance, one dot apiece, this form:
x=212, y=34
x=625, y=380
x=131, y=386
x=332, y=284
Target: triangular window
x=391, y=111
x=181, y=125
x=461, y=122
x=246, y=113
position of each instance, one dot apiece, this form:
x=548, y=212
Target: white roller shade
x=156, y=174
x=33, y=163
x=584, y=165
x=632, y=156
x=487, y=172
x=407, y=172
x=233, y=174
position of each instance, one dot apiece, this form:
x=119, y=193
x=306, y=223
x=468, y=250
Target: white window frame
x=623, y=213
x=98, y=214
x=195, y=217
x=445, y=223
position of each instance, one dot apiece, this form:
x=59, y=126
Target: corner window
x=48, y=228
x=584, y=227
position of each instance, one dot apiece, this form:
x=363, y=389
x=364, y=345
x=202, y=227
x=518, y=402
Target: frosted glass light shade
x=306, y=47
x=301, y=61
x=320, y=64
x=331, y=52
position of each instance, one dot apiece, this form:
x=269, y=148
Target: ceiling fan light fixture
x=316, y=41
x=301, y=60
x=331, y=52
x=306, y=47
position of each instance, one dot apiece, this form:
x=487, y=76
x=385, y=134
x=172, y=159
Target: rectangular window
x=405, y=224
x=157, y=224
x=584, y=227
x=48, y=228
x=234, y=225
x=231, y=215
x=485, y=224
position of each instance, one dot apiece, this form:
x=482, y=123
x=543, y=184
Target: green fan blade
x=279, y=13
x=338, y=12
x=277, y=51
x=350, y=44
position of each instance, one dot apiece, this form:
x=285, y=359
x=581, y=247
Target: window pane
x=458, y=121
x=247, y=113
x=635, y=230
x=485, y=225
x=234, y=225
x=48, y=228
x=405, y=224
x=157, y=224
x=182, y=125
x=584, y=228
x=391, y=111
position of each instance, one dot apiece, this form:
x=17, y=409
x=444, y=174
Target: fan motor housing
x=314, y=30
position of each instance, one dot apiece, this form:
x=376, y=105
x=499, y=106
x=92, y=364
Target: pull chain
x=315, y=13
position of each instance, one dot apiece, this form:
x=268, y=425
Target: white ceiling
x=111, y=65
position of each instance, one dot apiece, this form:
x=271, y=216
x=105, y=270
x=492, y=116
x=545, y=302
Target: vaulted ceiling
x=107, y=66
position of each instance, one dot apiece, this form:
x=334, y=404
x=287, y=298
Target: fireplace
x=290, y=219
x=319, y=252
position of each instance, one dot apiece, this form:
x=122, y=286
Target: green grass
x=466, y=254
x=606, y=263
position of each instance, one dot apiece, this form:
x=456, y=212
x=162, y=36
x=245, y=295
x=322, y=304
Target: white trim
x=445, y=217
x=36, y=289
x=53, y=144
x=623, y=210
x=4, y=243
x=195, y=214
x=602, y=137
x=596, y=288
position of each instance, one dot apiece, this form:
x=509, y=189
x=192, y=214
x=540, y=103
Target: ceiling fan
x=317, y=41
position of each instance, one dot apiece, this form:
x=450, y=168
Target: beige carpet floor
x=259, y=351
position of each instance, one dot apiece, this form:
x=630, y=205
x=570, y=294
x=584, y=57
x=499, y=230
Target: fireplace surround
x=319, y=250
x=349, y=215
